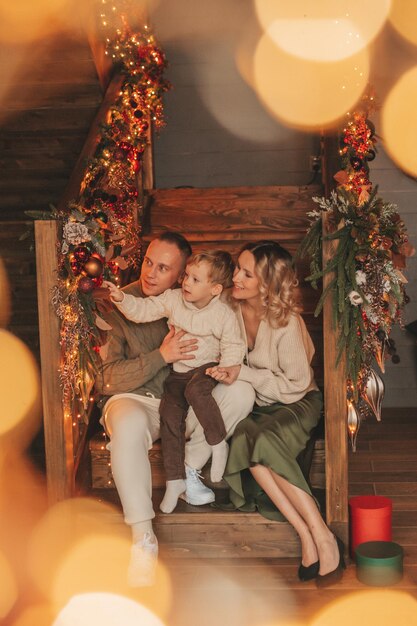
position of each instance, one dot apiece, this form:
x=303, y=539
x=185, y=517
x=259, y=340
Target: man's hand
x=173, y=348
x=115, y=293
x=225, y=375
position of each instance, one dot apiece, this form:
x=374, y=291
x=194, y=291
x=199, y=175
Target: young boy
x=197, y=309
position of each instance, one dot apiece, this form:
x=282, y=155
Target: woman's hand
x=225, y=375
x=175, y=348
x=115, y=293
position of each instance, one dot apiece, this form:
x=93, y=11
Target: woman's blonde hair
x=278, y=283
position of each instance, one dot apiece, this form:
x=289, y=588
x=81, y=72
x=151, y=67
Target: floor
x=210, y=591
x=266, y=591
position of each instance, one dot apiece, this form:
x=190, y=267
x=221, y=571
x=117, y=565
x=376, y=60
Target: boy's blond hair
x=221, y=266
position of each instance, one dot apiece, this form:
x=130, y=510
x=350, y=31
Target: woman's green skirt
x=273, y=436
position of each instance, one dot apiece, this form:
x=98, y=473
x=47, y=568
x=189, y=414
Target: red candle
x=370, y=520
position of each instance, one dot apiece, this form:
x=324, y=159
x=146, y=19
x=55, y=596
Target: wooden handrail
x=74, y=185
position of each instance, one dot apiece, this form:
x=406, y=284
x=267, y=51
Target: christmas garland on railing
x=367, y=285
x=100, y=232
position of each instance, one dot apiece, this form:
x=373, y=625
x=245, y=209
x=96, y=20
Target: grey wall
x=391, y=57
x=218, y=133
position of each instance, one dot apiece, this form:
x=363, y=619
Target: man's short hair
x=178, y=240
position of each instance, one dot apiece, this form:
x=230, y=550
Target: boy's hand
x=225, y=375
x=115, y=293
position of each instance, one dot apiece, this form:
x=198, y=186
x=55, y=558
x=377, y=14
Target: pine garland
x=367, y=287
x=100, y=231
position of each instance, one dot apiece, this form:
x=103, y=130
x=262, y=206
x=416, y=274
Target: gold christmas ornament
x=353, y=423
x=380, y=357
x=93, y=267
x=373, y=393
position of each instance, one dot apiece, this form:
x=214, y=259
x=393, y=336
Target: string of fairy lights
x=100, y=230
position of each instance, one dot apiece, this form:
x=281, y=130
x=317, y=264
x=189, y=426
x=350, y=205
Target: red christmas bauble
x=97, y=282
x=85, y=285
x=93, y=267
x=76, y=268
x=82, y=254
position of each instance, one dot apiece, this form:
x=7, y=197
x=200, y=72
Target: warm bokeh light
x=37, y=615
x=305, y=94
x=399, y=122
x=19, y=383
x=285, y=622
x=98, y=562
x=8, y=587
x=325, y=30
x=233, y=94
x=60, y=528
x=22, y=503
x=82, y=545
x=106, y=609
x=4, y=296
x=384, y=607
x=403, y=17
x=26, y=20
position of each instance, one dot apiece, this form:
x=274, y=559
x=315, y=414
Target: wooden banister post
x=335, y=411
x=58, y=427
x=335, y=406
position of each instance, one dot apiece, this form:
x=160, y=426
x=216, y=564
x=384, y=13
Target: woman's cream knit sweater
x=279, y=366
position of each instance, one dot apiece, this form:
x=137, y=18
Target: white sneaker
x=143, y=560
x=196, y=492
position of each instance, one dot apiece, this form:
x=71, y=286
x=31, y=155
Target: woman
x=262, y=470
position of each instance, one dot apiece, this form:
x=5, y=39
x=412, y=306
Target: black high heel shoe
x=308, y=573
x=333, y=577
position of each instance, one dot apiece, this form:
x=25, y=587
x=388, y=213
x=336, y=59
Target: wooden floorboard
x=217, y=573
x=266, y=590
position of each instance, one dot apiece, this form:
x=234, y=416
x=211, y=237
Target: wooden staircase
x=224, y=218
x=47, y=107
x=207, y=531
x=46, y=110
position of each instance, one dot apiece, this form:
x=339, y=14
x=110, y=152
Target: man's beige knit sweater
x=133, y=363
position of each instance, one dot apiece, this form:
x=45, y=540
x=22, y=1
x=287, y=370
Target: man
x=132, y=375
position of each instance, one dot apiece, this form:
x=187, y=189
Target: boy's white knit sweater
x=215, y=326
x=279, y=366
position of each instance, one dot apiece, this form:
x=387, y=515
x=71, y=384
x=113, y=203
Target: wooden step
x=102, y=477
x=208, y=532
x=204, y=531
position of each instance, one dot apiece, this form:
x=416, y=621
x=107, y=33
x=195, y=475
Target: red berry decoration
x=82, y=254
x=97, y=282
x=76, y=268
x=356, y=163
x=85, y=285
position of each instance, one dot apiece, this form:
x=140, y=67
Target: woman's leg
x=322, y=535
x=302, y=513
x=265, y=478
